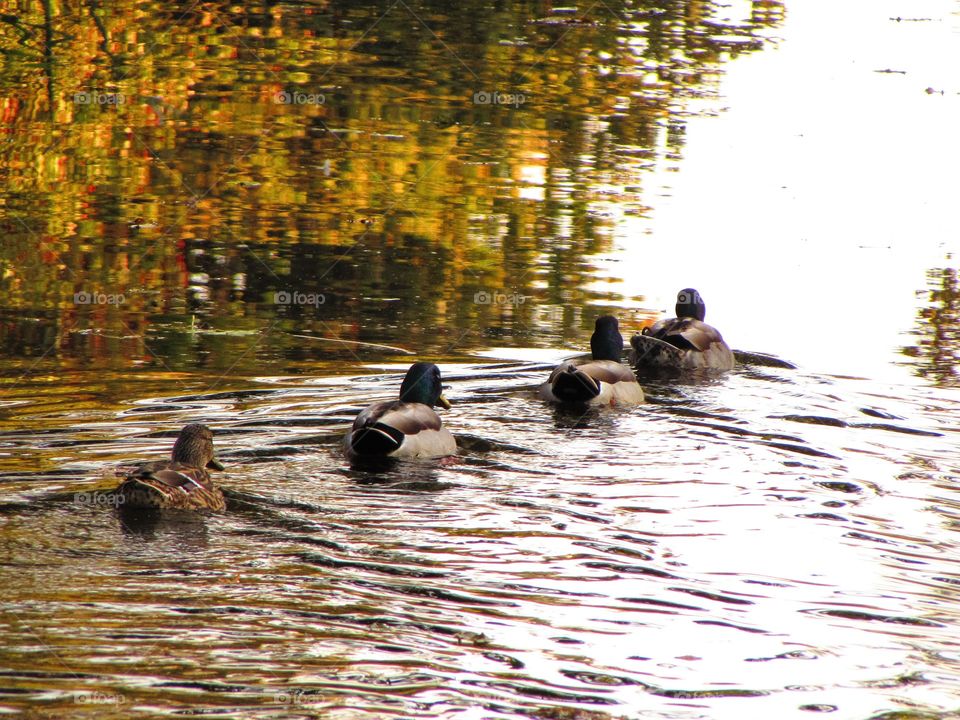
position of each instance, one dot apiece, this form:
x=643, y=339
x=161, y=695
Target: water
x=756, y=545
x=770, y=543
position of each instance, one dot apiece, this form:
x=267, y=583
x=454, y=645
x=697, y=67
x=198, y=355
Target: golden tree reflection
x=197, y=160
x=936, y=355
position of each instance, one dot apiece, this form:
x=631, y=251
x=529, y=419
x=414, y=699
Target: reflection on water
x=424, y=173
x=936, y=355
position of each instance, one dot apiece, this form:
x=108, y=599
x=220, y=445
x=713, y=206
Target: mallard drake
x=684, y=342
x=602, y=380
x=408, y=427
x=180, y=483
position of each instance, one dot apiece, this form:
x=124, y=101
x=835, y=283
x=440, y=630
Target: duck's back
x=596, y=382
x=682, y=343
x=170, y=485
x=399, y=429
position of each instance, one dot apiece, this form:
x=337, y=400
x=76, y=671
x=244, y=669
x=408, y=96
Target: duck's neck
x=607, y=344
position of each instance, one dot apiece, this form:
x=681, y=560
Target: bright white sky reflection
x=808, y=211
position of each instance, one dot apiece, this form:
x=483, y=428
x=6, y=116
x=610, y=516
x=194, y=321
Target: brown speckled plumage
x=182, y=482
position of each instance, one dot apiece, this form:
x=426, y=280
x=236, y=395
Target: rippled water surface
x=292, y=201
x=755, y=545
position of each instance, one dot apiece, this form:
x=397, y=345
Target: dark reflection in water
x=936, y=356
x=195, y=186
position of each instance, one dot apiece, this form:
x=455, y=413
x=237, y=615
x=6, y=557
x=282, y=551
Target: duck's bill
x=215, y=465
x=444, y=403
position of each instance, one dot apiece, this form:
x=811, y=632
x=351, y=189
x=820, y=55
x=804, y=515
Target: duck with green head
x=404, y=428
x=180, y=483
x=602, y=380
x=682, y=343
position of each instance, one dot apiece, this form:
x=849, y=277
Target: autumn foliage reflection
x=196, y=160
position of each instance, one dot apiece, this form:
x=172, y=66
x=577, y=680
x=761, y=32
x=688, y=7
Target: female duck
x=603, y=380
x=407, y=427
x=684, y=342
x=180, y=483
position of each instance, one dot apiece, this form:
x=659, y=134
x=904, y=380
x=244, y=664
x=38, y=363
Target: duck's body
x=595, y=382
x=602, y=380
x=181, y=483
x=685, y=342
x=404, y=428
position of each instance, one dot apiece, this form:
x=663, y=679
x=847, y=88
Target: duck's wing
x=173, y=475
x=706, y=342
x=648, y=350
x=618, y=383
x=588, y=382
x=408, y=418
x=685, y=334
x=382, y=428
x=681, y=343
x=171, y=485
x=700, y=336
x=608, y=371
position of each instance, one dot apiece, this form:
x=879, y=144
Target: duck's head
x=606, y=343
x=422, y=385
x=194, y=447
x=690, y=305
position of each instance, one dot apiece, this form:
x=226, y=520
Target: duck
x=404, y=428
x=180, y=483
x=683, y=343
x=601, y=380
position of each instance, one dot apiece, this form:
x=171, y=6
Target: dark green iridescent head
x=422, y=385
x=690, y=305
x=606, y=342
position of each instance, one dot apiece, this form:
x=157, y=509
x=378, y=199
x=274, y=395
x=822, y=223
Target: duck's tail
x=378, y=439
x=571, y=384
